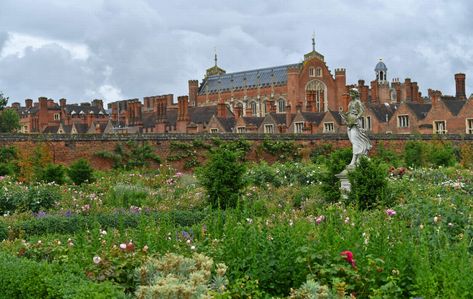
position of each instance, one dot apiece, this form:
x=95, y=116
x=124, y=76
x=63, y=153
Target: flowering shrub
x=175, y=276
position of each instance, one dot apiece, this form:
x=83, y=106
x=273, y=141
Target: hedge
x=23, y=278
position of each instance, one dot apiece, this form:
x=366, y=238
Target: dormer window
x=440, y=127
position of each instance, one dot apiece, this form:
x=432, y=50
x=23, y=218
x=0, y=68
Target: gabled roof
x=253, y=120
x=81, y=128
x=381, y=110
x=227, y=123
x=51, y=130
x=420, y=110
x=313, y=117
x=336, y=115
x=263, y=77
x=280, y=118
x=453, y=104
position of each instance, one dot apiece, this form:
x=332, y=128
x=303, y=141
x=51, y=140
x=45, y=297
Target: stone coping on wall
x=223, y=136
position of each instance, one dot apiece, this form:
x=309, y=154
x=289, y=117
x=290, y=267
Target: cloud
x=126, y=49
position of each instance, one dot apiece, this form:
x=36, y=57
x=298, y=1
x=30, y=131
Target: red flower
x=349, y=257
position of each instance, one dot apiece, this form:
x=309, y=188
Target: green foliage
x=125, y=195
x=34, y=198
x=175, y=276
x=415, y=154
x=442, y=154
x=388, y=156
x=53, y=173
x=3, y=101
x=222, y=178
x=283, y=174
x=320, y=153
x=9, y=121
x=81, y=172
x=368, y=183
x=22, y=278
x=336, y=162
x=282, y=150
x=131, y=155
x=8, y=160
x=74, y=224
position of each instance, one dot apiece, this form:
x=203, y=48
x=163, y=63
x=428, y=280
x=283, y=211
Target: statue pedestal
x=345, y=186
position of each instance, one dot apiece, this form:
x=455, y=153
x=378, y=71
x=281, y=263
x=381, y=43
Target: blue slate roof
x=276, y=75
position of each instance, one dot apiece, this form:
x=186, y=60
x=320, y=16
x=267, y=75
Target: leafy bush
x=54, y=173
x=222, y=177
x=125, y=195
x=442, y=154
x=389, y=156
x=415, y=154
x=9, y=198
x=176, y=276
x=336, y=162
x=22, y=278
x=368, y=183
x=81, y=172
x=282, y=150
x=283, y=174
x=320, y=153
x=40, y=197
x=8, y=157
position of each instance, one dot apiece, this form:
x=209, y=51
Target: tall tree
x=9, y=118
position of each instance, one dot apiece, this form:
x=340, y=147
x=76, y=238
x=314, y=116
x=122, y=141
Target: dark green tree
x=335, y=163
x=81, y=172
x=9, y=118
x=222, y=178
x=368, y=183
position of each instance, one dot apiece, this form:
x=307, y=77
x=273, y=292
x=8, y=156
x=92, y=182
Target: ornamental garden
x=229, y=227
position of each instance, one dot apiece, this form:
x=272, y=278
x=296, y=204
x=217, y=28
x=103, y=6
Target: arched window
x=254, y=108
x=281, y=106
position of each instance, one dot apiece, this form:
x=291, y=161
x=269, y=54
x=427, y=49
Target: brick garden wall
x=65, y=149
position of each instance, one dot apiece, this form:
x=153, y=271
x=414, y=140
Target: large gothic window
x=316, y=95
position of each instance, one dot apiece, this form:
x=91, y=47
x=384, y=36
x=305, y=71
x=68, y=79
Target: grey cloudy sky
x=117, y=49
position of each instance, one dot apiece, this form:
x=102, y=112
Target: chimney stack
x=460, y=86
x=29, y=103
x=62, y=103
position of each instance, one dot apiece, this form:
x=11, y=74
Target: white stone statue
x=357, y=135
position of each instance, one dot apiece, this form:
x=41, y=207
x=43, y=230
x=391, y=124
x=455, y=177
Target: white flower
x=192, y=247
x=97, y=259
x=123, y=246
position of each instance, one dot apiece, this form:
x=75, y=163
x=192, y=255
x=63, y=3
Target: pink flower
x=178, y=174
x=97, y=259
x=319, y=219
x=122, y=246
x=390, y=212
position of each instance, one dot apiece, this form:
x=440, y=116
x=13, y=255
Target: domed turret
x=381, y=71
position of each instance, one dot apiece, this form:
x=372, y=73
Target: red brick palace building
x=301, y=98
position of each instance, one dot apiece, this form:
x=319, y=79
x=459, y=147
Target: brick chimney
x=97, y=103
x=460, y=86
x=407, y=90
x=238, y=111
x=193, y=90
x=43, y=113
x=221, y=109
x=50, y=103
x=363, y=89
x=29, y=103
x=16, y=105
x=288, y=116
x=62, y=103
x=435, y=96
